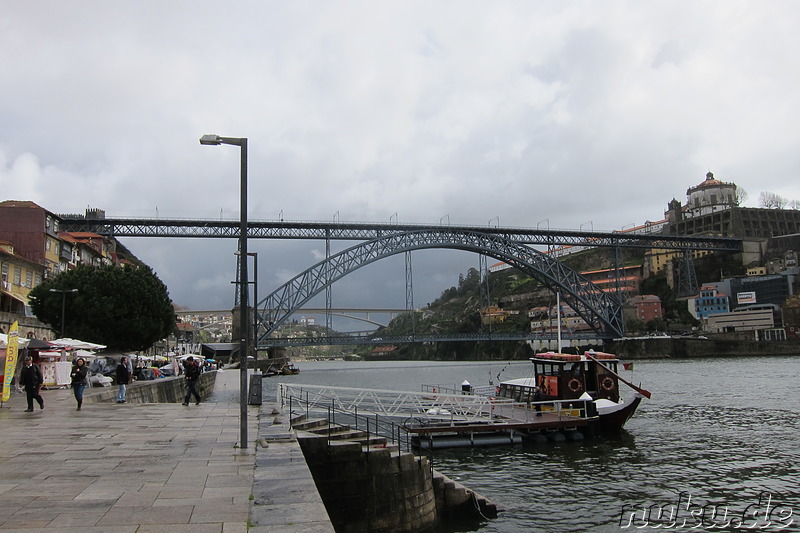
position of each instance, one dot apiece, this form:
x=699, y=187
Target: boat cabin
x=566, y=376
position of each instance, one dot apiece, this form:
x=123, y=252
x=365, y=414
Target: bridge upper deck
x=148, y=227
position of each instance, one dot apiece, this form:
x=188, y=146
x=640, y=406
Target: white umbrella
x=23, y=341
x=194, y=355
x=75, y=344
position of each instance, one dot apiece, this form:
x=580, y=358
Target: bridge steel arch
x=601, y=311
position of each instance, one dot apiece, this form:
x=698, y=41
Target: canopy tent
x=37, y=344
x=23, y=342
x=76, y=344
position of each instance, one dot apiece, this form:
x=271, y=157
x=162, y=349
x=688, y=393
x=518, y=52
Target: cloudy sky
x=564, y=114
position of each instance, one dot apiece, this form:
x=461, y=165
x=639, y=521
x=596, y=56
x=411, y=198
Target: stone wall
x=161, y=390
x=376, y=490
x=28, y=326
x=677, y=347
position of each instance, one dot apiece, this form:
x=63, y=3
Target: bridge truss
x=601, y=311
x=148, y=227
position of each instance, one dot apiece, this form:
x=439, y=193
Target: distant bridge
x=363, y=314
x=374, y=338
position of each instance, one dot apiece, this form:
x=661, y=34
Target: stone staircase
x=341, y=432
x=369, y=484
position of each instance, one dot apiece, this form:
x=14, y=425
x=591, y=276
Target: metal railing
x=372, y=424
x=433, y=406
x=392, y=403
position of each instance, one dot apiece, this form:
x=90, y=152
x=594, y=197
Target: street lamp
x=63, y=305
x=241, y=142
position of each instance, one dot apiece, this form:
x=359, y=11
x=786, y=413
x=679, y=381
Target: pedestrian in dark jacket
x=79, y=380
x=31, y=378
x=192, y=372
x=123, y=378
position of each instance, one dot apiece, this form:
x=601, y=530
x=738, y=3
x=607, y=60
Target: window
x=17, y=276
x=29, y=279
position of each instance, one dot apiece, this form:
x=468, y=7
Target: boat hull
x=610, y=420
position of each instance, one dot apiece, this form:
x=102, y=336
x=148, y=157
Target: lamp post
x=255, y=303
x=63, y=305
x=241, y=142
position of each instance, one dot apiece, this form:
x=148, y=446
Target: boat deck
x=506, y=418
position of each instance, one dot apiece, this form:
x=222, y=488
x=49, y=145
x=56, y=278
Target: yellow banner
x=11, y=359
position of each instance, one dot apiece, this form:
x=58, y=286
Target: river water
x=718, y=436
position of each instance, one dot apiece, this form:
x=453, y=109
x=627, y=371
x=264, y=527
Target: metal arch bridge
x=157, y=227
x=601, y=311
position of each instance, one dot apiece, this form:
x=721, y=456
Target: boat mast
x=558, y=318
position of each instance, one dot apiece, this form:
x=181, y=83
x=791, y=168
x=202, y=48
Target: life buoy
x=607, y=384
x=575, y=385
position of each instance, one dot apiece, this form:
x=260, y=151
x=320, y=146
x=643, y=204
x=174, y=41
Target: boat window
x=548, y=369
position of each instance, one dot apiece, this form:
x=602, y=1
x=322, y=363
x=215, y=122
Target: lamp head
x=211, y=139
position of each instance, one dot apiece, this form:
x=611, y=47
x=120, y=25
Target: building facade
x=647, y=307
x=710, y=302
x=19, y=276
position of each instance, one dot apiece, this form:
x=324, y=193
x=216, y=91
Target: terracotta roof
x=710, y=181
x=646, y=298
x=66, y=236
x=20, y=203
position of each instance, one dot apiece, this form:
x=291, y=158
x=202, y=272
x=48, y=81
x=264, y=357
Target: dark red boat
x=592, y=376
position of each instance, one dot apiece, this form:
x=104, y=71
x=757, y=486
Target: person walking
x=192, y=372
x=123, y=378
x=79, y=380
x=31, y=378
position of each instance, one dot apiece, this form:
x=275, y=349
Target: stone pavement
x=126, y=467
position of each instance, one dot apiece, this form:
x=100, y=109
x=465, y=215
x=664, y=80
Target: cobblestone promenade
x=126, y=467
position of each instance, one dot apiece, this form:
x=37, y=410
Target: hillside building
x=710, y=302
x=627, y=284
x=647, y=307
x=757, y=320
x=791, y=317
x=712, y=208
x=19, y=276
x=493, y=315
x=34, y=233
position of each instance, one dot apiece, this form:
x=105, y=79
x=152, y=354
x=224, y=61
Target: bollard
x=254, y=396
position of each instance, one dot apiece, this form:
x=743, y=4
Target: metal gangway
x=392, y=403
x=431, y=406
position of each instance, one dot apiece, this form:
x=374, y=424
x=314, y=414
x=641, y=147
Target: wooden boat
x=289, y=369
x=588, y=377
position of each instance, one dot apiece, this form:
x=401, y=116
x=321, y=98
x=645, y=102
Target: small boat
x=588, y=377
x=289, y=369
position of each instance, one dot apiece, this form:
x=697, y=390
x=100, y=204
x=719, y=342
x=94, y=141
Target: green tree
x=124, y=308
